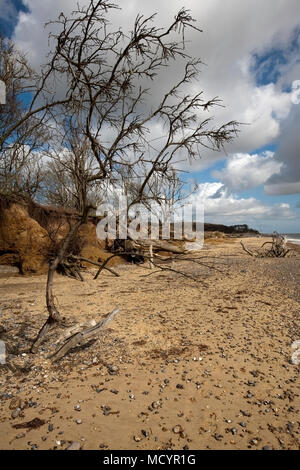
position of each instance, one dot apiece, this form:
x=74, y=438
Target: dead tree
x=277, y=248
x=107, y=100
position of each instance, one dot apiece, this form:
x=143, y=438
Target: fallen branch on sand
x=82, y=337
x=278, y=248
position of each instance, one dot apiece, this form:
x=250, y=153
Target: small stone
x=137, y=439
x=251, y=383
x=113, y=370
x=179, y=386
x=114, y=390
x=145, y=433
x=78, y=421
x=243, y=425
x=177, y=429
x=155, y=404
x=233, y=431
x=74, y=446
x=267, y=448
x=50, y=427
x=131, y=396
x=77, y=407
x=16, y=413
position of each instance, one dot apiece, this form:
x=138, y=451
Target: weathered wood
x=54, y=315
x=160, y=245
x=95, y=263
x=246, y=249
x=277, y=250
x=82, y=337
x=151, y=256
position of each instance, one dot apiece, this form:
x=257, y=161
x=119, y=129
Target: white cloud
x=225, y=207
x=288, y=152
x=244, y=171
x=233, y=31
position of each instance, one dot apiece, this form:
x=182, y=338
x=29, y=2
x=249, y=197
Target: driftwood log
x=277, y=249
x=83, y=337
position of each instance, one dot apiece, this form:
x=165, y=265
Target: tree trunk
x=54, y=315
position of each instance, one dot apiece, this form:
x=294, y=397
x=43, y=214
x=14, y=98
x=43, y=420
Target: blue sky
x=252, y=52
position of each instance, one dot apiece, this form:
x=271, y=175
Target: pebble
x=77, y=407
x=177, y=429
x=113, y=370
x=50, y=427
x=267, y=448
x=74, y=446
x=16, y=413
x=78, y=421
x=180, y=386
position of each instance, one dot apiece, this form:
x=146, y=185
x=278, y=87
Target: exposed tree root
x=278, y=248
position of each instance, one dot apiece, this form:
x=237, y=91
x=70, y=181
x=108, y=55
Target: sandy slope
x=199, y=367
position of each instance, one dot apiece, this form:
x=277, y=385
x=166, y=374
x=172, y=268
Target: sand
x=195, y=366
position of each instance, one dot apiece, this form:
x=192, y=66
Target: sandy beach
x=185, y=365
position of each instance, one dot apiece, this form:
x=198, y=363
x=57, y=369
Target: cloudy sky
x=251, y=51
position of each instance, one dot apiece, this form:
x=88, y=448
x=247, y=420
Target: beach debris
x=33, y=424
x=83, y=337
x=278, y=248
